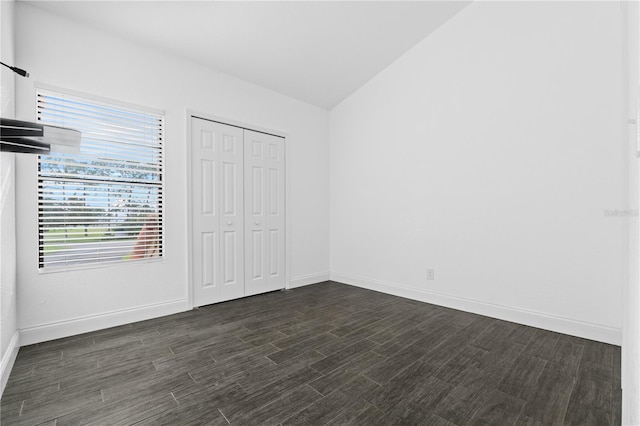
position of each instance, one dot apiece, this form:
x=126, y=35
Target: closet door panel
x=264, y=215
x=204, y=212
x=232, y=214
x=254, y=201
x=276, y=215
x=216, y=212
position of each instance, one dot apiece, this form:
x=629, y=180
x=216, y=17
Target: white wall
x=490, y=152
x=631, y=342
x=66, y=54
x=631, y=311
x=9, y=336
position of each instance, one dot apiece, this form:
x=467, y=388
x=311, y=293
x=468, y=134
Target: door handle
x=229, y=223
x=257, y=222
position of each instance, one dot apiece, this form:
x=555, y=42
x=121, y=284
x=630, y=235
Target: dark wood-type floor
x=322, y=354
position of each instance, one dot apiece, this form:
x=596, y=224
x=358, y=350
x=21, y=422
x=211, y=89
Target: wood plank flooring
x=322, y=354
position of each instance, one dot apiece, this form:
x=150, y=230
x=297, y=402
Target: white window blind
x=103, y=204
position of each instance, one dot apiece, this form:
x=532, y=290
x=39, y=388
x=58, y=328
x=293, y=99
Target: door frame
x=287, y=190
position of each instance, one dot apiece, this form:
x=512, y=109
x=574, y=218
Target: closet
x=237, y=212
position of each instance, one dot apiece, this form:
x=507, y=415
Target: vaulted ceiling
x=314, y=51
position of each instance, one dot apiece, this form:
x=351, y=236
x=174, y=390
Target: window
x=103, y=204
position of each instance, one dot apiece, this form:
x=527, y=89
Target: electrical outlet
x=431, y=274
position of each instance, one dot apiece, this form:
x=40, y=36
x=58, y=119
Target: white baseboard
x=57, y=330
x=558, y=324
x=303, y=280
x=6, y=363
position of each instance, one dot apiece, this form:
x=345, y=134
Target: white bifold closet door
x=217, y=211
x=238, y=221
x=264, y=200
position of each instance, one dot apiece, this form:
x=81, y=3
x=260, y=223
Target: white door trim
x=287, y=154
